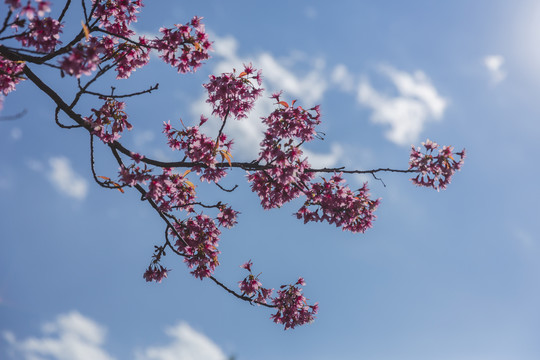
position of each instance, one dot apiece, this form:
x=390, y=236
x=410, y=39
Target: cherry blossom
x=435, y=169
x=234, y=94
x=10, y=75
x=110, y=120
x=292, y=307
x=280, y=173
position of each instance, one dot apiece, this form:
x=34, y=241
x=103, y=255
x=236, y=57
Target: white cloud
x=494, y=64
x=333, y=158
x=143, y=137
x=5, y=183
x=342, y=78
x=248, y=133
x=16, y=133
x=73, y=336
x=65, y=179
x=310, y=12
x=186, y=344
x=417, y=103
x=70, y=337
x=308, y=89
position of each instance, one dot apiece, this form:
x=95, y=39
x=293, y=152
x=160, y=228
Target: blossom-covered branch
x=280, y=174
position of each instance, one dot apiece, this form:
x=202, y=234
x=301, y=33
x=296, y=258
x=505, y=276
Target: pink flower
x=247, y=265
x=14, y=4
x=227, y=218
x=232, y=94
x=110, y=121
x=155, y=273
x=292, y=306
x=43, y=34
x=184, y=47
x=337, y=204
x=434, y=170
x=84, y=58
x=201, y=235
x=10, y=75
x=252, y=287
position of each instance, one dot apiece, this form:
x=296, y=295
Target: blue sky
x=450, y=275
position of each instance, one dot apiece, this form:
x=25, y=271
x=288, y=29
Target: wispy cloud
x=248, y=133
x=70, y=337
x=16, y=133
x=62, y=176
x=65, y=179
x=73, y=336
x=342, y=77
x=320, y=160
x=406, y=114
x=494, y=64
x=186, y=344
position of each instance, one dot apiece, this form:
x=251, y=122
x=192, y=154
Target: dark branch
x=64, y=10
x=153, y=88
x=13, y=117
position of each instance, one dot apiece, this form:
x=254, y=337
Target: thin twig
x=64, y=10
x=13, y=117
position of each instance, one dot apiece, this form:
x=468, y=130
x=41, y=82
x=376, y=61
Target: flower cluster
x=199, y=237
x=170, y=191
x=110, y=121
x=232, y=94
x=83, y=58
x=200, y=148
x=10, y=75
x=28, y=10
x=435, y=168
x=289, y=122
x=42, y=34
x=251, y=286
x=339, y=205
x=292, y=306
x=133, y=175
x=286, y=177
x=227, y=217
x=129, y=56
x=191, y=39
x=115, y=16
x=155, y=273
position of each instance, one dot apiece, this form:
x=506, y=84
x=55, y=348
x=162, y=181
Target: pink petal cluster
x=199, y=148
x=10, y=75
x=28, y=10
x=155, y=273
x=292, y=306
x=289, y=122
x=83, y=58
x=286, y=178
x=130, y=57
x=170, y=191
x=339, y=205
x=116, y=16
x=252, y=287
x=190, y=40
x=133, y=175
x=201, y=235
x=232, y=94
x=42, y=34
x=110, y=120
x=14, y=4
x=435, y=168
x=227, y=217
